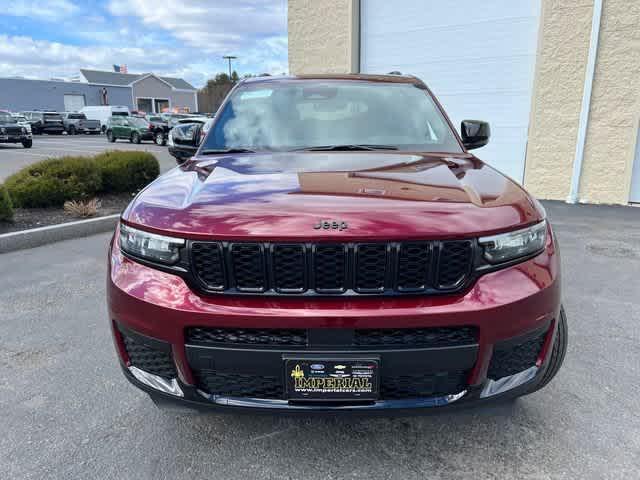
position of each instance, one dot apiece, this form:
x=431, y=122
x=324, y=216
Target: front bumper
x=513, y=312
x=23, y=137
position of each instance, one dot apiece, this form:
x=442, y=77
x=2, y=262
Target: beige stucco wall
x=563, y=47
x=323, y=36
x=565, y=30
x=615, y=106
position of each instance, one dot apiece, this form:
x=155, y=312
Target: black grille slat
x=208, y=264
x=371, y=267
x=248, y=266
x=289, y=268
x=454, y=264
x=413, y=266
x=149, y=359
x=237, y=336
x=383, y=268
x=330, y=268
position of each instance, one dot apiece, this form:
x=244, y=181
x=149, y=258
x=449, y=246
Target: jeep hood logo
x=331, y=225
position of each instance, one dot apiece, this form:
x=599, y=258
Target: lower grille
x=360, y=338
x=416, y=337
x=391, y=388
x=239, y=385
x=237, y=336
x=423, y=385
x=514, y=357
x=156, y=362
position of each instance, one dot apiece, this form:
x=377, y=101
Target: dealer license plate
x=332, y=379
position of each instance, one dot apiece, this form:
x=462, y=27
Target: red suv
x=333, y=246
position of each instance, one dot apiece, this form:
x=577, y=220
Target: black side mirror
x=185, y=141
x=475, y=133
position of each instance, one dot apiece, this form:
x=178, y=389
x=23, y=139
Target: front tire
x=160, y=139
x=557, y=354
x=135, y=138
x=110, y=136
x=27, y=143
x=72, y=130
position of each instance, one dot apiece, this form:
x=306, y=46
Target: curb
x=35, y=237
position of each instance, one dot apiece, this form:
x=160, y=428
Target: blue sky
x=183, y=38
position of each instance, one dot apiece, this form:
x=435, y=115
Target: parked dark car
x=134, y=129
x=160, y=129
x=75, y=122
x=184, y=140
x=12, y=132
x=334, y=246
x=45, y=122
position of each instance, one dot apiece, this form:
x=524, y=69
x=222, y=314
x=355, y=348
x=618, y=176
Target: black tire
x=135, y=138
x=160, y=139
x=110, y=136
x=558, y=353
x=103, y=129
x=27, y=143
x=72, y=130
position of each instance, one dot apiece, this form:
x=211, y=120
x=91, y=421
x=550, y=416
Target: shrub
x=52, y=182
x=81, y=208
x=126, y=171
x=6, y=207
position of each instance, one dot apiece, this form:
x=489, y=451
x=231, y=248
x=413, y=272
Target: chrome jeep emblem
x=331, y=225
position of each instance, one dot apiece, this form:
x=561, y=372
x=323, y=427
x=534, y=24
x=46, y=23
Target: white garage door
x=73, y=103
x=477, y=57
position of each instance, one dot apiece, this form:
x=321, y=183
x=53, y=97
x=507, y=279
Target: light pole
x=229, y=57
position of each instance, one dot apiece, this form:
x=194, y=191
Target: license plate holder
x=332, y=379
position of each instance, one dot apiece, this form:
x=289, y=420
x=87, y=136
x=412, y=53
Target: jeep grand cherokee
x=333, y=246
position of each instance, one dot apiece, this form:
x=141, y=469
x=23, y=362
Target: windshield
x=6, y=118
x=299, y=114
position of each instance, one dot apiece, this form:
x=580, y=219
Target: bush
x=126, y=171
x=6, y=207
x=52, y=182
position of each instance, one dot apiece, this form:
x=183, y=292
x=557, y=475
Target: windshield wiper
x=360, y=146
x=214, y=151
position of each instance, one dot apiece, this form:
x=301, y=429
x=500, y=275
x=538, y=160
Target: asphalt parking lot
x=13, y=157
x=67, y=411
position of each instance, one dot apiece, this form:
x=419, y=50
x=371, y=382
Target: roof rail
x=395, y=72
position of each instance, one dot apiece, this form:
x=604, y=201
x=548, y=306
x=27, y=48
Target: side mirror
x=185, y=140
x=475, y=133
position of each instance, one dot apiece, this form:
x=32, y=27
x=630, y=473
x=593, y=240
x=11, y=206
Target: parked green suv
x=134, y=129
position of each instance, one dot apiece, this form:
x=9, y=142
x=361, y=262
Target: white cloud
x=49, y=10
x=175, y=38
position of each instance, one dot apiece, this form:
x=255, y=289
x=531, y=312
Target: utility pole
x=229, y=57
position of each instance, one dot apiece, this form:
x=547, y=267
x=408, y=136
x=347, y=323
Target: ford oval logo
x=317, y=366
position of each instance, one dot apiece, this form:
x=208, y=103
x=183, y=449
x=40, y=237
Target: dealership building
x=556, y=79
x=146, y=92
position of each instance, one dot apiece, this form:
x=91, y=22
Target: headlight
x=512, y=245
x=24, y=130
x=2, y=130
x=150, y=246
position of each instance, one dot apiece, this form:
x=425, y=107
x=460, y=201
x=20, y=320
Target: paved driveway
x=67, y=412
x=13, y=157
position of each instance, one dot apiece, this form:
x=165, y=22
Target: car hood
x=283, y=196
